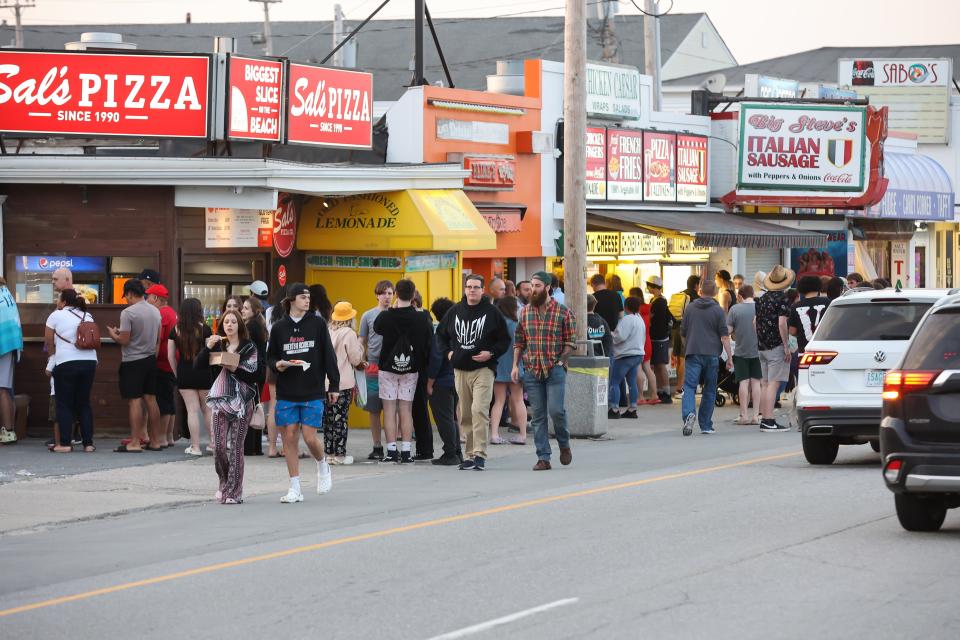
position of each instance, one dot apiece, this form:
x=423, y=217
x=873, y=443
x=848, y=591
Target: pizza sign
x=94, y=94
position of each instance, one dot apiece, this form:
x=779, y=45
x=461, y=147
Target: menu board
x=659, y=166
x=624, y=164
x=596, y=163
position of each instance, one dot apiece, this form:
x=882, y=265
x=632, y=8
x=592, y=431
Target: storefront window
x=98, y=278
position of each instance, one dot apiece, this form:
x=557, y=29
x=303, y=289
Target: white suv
x=862, y=334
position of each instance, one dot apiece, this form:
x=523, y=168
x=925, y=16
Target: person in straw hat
x=349, y=352
x=772, y=313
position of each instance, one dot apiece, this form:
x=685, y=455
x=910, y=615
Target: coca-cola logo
x=863, y=73
x=285, y=228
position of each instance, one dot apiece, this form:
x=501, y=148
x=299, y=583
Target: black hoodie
x=469, y=329
x=306, y=340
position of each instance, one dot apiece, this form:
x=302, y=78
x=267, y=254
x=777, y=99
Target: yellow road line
x=383, y=533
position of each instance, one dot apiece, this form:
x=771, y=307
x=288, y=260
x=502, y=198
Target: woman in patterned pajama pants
x=335, y=425
x=232, y=399
x=349, y=352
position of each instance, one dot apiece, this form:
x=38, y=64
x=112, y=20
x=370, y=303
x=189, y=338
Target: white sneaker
x=324, y=478
x=341, y=460
x=190, y=451
x=292, y=496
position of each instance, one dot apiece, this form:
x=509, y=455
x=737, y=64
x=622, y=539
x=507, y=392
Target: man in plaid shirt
x=545, y=336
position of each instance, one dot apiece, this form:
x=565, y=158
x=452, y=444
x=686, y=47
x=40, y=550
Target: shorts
x=397, y=386
x=138, y=378
x=166, y=390
x=747, y=368
x=7, y=362
x=308, y=414
x=373, y=404
x=774, y=367
x=661, y=351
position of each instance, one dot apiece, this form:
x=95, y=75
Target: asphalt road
x=647, y=536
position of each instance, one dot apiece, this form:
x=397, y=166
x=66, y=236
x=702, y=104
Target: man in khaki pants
x=473, y=334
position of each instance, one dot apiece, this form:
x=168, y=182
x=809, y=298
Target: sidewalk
x=40, y=489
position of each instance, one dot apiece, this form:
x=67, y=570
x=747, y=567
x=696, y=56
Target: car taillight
x=897, y=384
x=816, y=357
x=892, y=471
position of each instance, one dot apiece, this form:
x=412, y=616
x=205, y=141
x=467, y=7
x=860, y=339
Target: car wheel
x=720, y=401
x=875, y=445
x=917, y=513
x=820, y=449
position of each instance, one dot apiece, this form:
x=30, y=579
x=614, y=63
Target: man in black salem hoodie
x=301, y=354
x=473, y=334
x=407, y=333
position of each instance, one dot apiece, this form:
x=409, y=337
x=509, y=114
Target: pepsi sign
x=80, y=264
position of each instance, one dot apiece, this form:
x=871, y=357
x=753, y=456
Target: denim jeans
x=546, y=397
x=73, y=381
x=620, y=367
x=708, y=366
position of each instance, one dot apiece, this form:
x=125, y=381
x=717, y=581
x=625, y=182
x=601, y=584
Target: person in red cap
x=157, y=295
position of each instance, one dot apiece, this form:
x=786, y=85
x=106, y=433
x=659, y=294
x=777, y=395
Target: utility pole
x=651, y=48
x=17, y=6
x=338, y=17
x=575, y=165
x=418, y=65
x=267, y=36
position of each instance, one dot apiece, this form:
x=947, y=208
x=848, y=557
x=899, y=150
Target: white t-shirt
x=65, y=322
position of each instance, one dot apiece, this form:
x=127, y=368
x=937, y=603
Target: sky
x=753, y=29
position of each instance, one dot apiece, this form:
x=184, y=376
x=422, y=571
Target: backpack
x=401, y=358
x=88, y=333
x=678, y=302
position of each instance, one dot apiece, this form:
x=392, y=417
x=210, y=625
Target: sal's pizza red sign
x=99, y=94
x=692, y=169
x=329, y=107
x=285, y=227
x=255, y=99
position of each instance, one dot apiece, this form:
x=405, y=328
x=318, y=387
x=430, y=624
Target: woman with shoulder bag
x=184, y=344
x=75, y=365
x=234, y=364
x=252, y=314
x=349, y=352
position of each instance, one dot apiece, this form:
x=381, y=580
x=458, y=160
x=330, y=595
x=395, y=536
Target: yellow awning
x=412, y=220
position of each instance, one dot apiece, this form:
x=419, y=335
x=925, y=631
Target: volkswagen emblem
x=879, y=356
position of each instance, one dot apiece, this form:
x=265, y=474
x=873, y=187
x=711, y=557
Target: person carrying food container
x=301, y=353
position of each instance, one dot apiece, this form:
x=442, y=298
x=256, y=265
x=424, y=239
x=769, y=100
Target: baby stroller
x=726, y=384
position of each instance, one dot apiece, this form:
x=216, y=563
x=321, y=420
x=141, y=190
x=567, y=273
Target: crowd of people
x=496, y=359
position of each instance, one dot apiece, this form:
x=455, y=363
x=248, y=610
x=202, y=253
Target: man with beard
x=545, y=336
x=472, y=335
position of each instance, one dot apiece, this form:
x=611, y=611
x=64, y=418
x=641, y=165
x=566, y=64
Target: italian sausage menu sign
x=329, y=107
x=802, y=148
x=93, y=94
x=255, y=98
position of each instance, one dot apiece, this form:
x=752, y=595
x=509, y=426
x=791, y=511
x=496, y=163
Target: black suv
x=920, y=428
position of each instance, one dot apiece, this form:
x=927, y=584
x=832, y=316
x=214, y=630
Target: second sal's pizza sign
x=329, y=107
x=99, y=94
x=802, y=148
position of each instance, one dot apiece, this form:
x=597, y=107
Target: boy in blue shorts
x=301, y=354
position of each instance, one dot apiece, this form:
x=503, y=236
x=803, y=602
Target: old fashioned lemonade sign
x=790, y=148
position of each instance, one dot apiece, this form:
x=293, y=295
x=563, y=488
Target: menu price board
x=692, y=169
x=625, y=164
x=659, y=166
x=329, y=107
x=596, y=163
x=104, y=95
x=255, y=99
x=238, y=228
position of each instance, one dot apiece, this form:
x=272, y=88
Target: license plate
x=873, y=377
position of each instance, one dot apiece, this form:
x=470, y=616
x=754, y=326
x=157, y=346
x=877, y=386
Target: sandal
x=89, y=448
x=123, y=449
x=154, y=448
x=63, y=449
x=497, y=440
x=517, y=440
